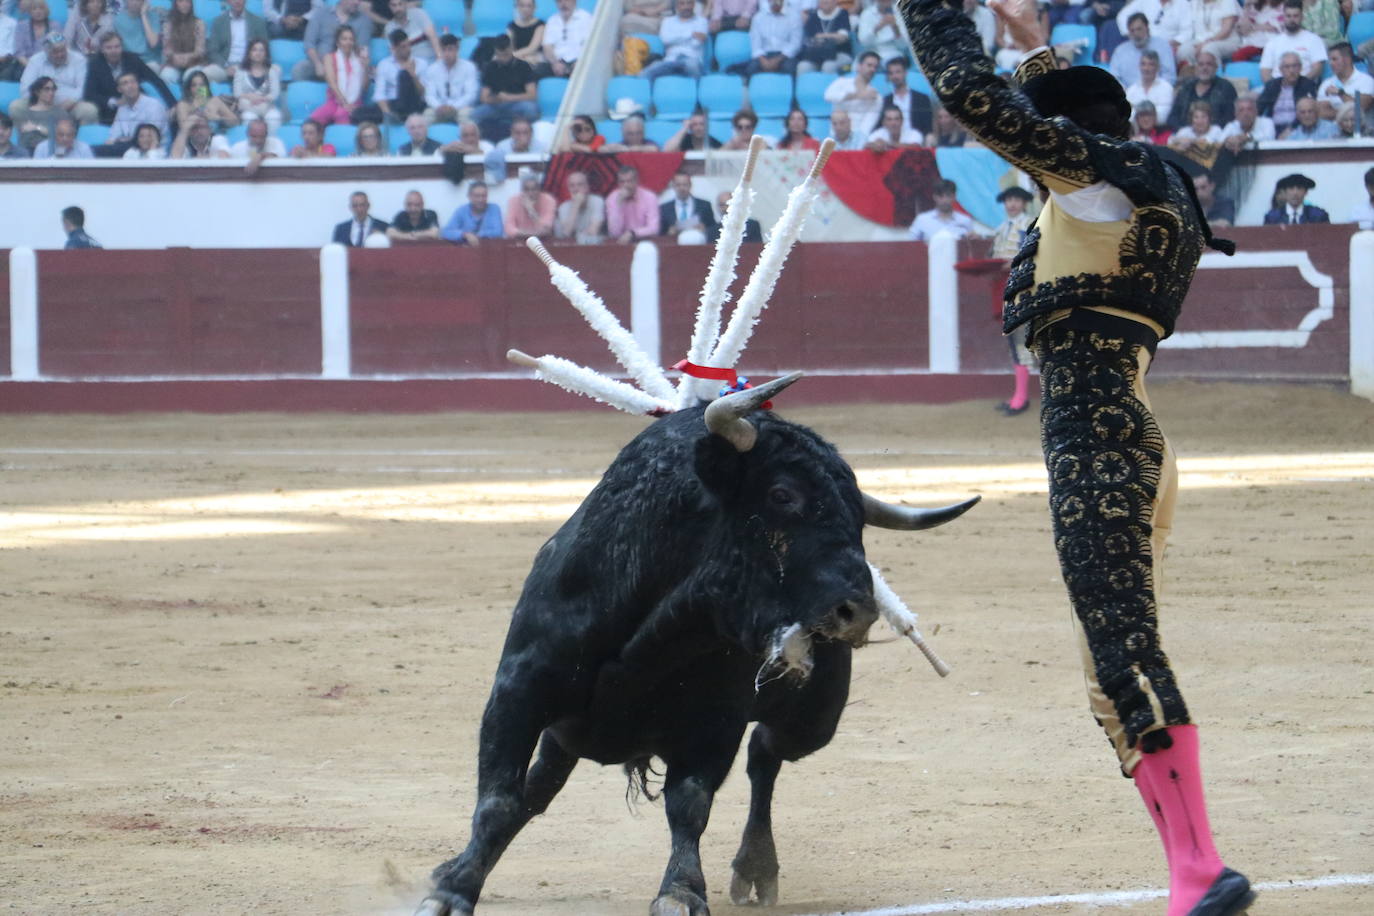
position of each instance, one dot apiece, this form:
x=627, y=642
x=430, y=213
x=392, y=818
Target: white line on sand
x=1112, y=898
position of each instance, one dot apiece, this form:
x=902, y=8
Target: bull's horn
x=905, y=518
x=725, y=416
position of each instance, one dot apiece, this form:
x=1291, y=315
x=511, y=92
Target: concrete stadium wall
x=429, y=326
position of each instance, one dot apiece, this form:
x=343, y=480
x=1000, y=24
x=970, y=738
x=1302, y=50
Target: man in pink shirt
x=632, y=211
x=531, y=211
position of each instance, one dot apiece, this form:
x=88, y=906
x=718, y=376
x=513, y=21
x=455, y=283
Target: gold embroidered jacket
x=1143, y=263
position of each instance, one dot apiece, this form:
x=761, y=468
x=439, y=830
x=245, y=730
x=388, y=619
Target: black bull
x=715, y=576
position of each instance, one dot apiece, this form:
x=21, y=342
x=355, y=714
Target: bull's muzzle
x=850, y=621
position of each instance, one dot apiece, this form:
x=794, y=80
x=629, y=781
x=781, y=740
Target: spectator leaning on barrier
x=1249, y=125
x=1340, y=87
x=631, y=211
x=744, y=122
x=420, y=145
x=397, y=89
x=63, y=144
x=451, y=84
x=103, y=72
x=74, y=224
x=367, y=141
x=230, y=34
x=1291, y=208
x=581, y=217
x=196, y=140
x=693, y=135
x=139, y=24
x=856, y=94
x=414, y=223
x=565, y=36
x=352, y=233
x=312, y=145
x=942, y=217
x=775, y=39
x=1308, y=126
x=892, y=133
x=508, y=92
x=842, y=131
x=684, y=44
x=632, y=138
x=475, y=220
x=1307, y=45
x=8, y=148
x=827, y=42
x=1279, y=100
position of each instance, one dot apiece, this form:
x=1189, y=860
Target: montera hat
x=1296, y=180
x=1061, y=92
x=1015, y=191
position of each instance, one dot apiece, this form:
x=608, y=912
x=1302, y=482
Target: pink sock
x=1170, y=781
x=1021, y=393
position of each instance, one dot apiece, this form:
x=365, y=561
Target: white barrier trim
x=644, y=301
x=943, y=303
x=336, y=346
x=1293, y=339
x=1362, y=314
x=23, y=315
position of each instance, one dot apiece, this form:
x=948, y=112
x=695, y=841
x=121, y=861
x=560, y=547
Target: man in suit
x=230, y=34
x=685, y=214
x=420, y=143
x=1289, y=194
x=354, y=232
x=104, y=70
x=913, y=105
x=752, y=231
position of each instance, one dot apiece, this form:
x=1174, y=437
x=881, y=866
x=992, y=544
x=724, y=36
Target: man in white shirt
x=841, y=131
x=881, y=30
x=1340, y=87
x=684, y=43
x=1151, y=88
x=1171, y=20
x=857, y=96
x=775, y=40
x=135, y=108
x=1307, y=45
x=565, y=35
x=257, y=145
x=943, y=218
x=893, y=132
x=63, y=144
x=68, y=69
x=397, y=88
x=1249, y=126
x=451, y=84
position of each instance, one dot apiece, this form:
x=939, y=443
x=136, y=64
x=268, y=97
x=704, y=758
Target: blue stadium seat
x=1066, y=32
x=661, y=131
x=1361, y=28
x=285, y=53
x=721, y=93
x=917, y=81
x=467, y=46
x=397, y=137
x=674, y=96
x=443, y=133
x=1247, y=69
x=545, y=9
x=378, y=50
x=57, y=11
x=881, y=84
x=811, y=93
x=721, y=128
x=448, y=15
x=731, y=48
x=289, y=135
x=93, y=134
x=770, y=94
x=773, y=128
x=550, y=94
x=208, y=10
x=631, y=87
x=343, y=136
x=303, y=97
x=236, y=133
x=610, y=129
x=254, y=7
x=653, y=41
x=218, y=89
x=490, y=16
x=8, y=93
x=588, y=5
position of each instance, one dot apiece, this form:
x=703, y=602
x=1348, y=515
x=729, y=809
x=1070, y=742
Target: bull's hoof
x=442, y=904
x=766, y=889
x=679, y=902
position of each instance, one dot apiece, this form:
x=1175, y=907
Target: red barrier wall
x=851, y=310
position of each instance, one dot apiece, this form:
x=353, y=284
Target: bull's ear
x=719, y=465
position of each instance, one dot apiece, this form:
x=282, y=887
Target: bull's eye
x=781, y=497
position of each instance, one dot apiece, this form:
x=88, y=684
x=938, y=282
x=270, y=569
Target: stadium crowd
x=254, y=79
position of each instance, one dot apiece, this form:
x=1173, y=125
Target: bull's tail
x=638, y=773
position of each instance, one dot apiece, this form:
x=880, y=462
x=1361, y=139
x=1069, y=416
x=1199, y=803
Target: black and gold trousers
x=1112, y=483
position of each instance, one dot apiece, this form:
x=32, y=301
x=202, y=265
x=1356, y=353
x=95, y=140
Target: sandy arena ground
x=242, y=661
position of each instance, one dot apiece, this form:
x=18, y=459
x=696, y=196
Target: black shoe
x=1229, y=894
x=1009, y=411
